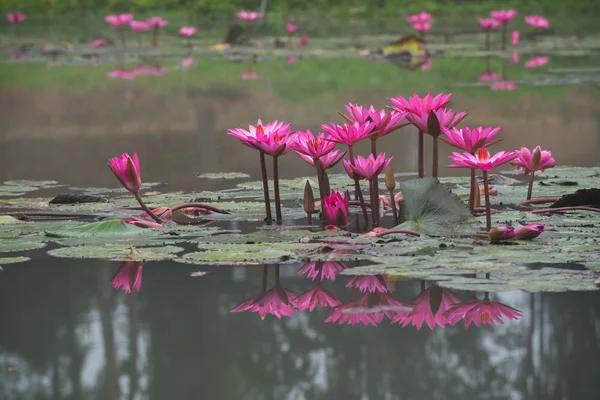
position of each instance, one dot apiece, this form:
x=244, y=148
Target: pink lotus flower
x=322, y=270
x=384, y=123
x=503, y=16
x=533, y=160
x=98, y=43
x=15, y=17
x=128, y=276
x=429, y=307
x=187, y=62
x=138, y=26
x=317, y=296
x=306, y=143
x=291, y=28
x=304, y=40
x=277, y=301
x=328, y=161
x=499, y=233
x=18, y=57
x=489, y=76
x=369, y=283
x=470, y=140
x=291, y=59
x=370, y=167
x=537, y=21
x=118, y=20
x=142, y=223
x=127, y=171
x=419, y=18
x=248, y=15
x=335, y=208
x=446, y=118
x=481, y=312
x=271, y=138
x=415, y=104
x=250, y=75
x=488, y=24
x=514, y=38
x=536, y=62
x=348, y=134
x=421, y=26
x=187, y=31
x=504, y=86
x=481, y=160
x=156, y=22
x=530, y=231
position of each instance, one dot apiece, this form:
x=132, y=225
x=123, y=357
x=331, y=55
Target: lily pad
x=13, y=260
x=17, y=245
x=104, y=228
x=223, y=175
x=117, y=252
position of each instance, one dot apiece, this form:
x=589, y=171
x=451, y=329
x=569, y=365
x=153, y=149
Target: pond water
x=69, y=334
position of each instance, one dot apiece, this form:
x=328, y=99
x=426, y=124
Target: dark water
x=68, y=334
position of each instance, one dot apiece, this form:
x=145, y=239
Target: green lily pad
x=28, y=183
x=17, y=245
x=12, y=260
x=117, y=252
x=223, y=175
x=104, y=228
x=7, y=219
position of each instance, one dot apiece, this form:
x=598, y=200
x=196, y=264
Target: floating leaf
x=110, y=227
x=12, y=260
x=17, y=245
x=72, y=198
x=223, y=175
x=117, y=252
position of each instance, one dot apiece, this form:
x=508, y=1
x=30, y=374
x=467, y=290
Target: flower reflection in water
x=322, y=270
x=317, y=296
x=480, y=312
x=369, y=283
x=128, y=276
x=429, y=307
x=368, y=310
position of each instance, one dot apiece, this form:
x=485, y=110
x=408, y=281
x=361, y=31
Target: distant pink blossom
x=427, y=65
x=515, y=57
x=187, y=62
x=536, y=62
x=489, y=76
x=98, y=43
x=291, y=59
x=304, y=40
x=15, y=17
x=118, y=20
x=291, y=28
x=138, y=26
x=421, y=26
x=187, y=31
x=488, y=24
x=121, y=73
x=248, y=15
x=537, y=21
x=419, y=18
x=504, y=86
x=250, y=75
x=514, y=38
x=503, y=16
x=156, y=22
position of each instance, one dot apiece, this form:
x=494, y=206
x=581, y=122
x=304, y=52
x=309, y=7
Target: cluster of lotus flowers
x=434, y=306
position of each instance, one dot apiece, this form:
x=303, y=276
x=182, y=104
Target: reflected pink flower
x=514, y=38
x=156, y=22
x=481, y=312
x=15, y=17
x=328, y=161
x=537, y=21
x=487, y=24
x=421, y=26
x=370, y=167
x=248, y=15
x=503, y=16
x=368, y=310
x=533, y=160
x=249, y=75
x=415, y=104
x=386, y=201
x=481, y=160
x=277, y=301
x=335, y=208
x=446, y=118
x=427, y=65
x=501, y=232
x=515, y=57
x=291, y=59
x=271, y=138
x=369, y=283
x=128, y=276
x=98, y=43
x=429, y=307
x=139, y=26
x=291, y=28
x=187, y=62
x=348, y=134
x=118, y=20
x=304, y=40
x=246, y=304
x=121, y=73
x=536, y=62
x=187, y=31
x=489, y=76
x=419, y=18
x=317, y=296
x=18, y=57
x=504, y=86
x=322, y=270
x=470, y=140
x=529, y=231
x=127, y=171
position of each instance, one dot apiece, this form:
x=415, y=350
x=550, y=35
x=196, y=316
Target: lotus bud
x=309, y=199
x=433, y=125
x=390, y=179
x=499, y=233
x=529, y=231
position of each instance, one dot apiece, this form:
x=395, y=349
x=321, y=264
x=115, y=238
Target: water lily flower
x=470, y=139
x=157, y=22
x=327, y=161
x=416, y=104
x=127, y=170
x=369, y=283
x=514, y=38
x=488, y=24
x=479, y=312
x=503, y=16
x=446, y=119
x=317, y=296
x=138, y=26
x=429, y=307
x=421, y=26
x=187, y=31
x=291, y=28
x=119, y=20
x=15, y=17
x=248, y=15
x=369, y=168
x=348, y=134
x=304, y=40
x=421, y=17
x=98, y=43
x=128, y=276
x=291, y=59
x=529, y=231
x=187, y=62
x=504, y=85
x=536, y=62
x=322, y=270
x=499, y=233
x=515, y=57
x=335, y=209
x=142, y=223
x=427, y=64
x=122, y=73
x=537, y=21
x=533, y=160
x=384, y=122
